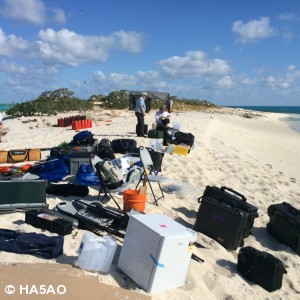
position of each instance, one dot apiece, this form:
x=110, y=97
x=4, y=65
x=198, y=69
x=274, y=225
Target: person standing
x=169, y=104
x=140, y=111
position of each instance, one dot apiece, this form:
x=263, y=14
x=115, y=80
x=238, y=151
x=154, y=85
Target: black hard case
x=49, y=221
x=225, y=216
x=284, y=225
x=261, y=268
x=22, y=194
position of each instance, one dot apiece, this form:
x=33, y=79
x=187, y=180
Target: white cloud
x=253, y=30
x=194, y=63
x=70, y=48
x=226, y=82
x=129, y=41
x=32, y=11
x=59, y=15
x=12, y=67
x=11, y=45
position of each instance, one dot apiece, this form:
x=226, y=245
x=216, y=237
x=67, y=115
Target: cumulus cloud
x=253, y=30
x=31, y=11
x=226, y=82
x=11, y=45
x=70, y=48
x=194, y=63
x=284, y=80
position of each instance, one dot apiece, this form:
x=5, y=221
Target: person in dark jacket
x=140, y=111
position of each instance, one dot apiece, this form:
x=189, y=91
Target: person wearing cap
x=1, y=127
x=140, y=111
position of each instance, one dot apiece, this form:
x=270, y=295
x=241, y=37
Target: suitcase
x=22, y=194
x=284, y=225
x=261, y=268
x=49, y=221
x=225, y=216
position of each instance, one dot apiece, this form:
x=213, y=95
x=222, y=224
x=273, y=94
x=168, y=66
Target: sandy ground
x=259, y=157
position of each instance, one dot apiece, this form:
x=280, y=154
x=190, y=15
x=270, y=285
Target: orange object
x=132, y=199
x=25, y=167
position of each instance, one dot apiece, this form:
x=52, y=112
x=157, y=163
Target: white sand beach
x=259, y=157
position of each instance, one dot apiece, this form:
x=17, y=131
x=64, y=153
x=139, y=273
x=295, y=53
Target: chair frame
x=103, y=185
x=147, y=162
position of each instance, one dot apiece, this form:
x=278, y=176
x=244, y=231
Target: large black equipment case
x=225, y=216
x=261, y=268
x=49, y=221
x=284, y=225
x=22, y=194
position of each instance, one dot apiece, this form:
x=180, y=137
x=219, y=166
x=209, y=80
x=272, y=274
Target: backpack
x=84, y=137
x=104, y=150
x=111, y=174
x=104, y=143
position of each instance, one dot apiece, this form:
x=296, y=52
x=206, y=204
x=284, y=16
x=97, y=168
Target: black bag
x=169, y=136
x=104, y=143
x=105, y=153
x=284, y=225
x=84, y=137
x=261, y=268
x=59, y=152
x=123, y=145
x=225, y=216
x=31, y=243
x=184, y=138
x=155, y=134
x=68, y=189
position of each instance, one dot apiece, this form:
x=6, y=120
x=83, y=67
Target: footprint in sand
x=210, y=280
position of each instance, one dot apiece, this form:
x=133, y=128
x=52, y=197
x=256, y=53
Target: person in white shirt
x=161, y=118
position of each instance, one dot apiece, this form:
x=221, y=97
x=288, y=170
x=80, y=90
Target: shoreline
x=258, y=156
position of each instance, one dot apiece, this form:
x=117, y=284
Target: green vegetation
x=50, y=103
x=63, y=100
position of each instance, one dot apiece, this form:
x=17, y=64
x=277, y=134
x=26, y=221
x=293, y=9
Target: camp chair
x=109, y=188
x=148, y=166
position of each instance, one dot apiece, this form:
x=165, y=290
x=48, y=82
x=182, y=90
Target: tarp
x=134, y=95
x=151, y=94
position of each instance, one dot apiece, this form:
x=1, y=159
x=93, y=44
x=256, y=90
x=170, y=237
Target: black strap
x=17, y=152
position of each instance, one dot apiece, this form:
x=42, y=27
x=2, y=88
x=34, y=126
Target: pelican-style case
x=225, y=216
x=284, y=225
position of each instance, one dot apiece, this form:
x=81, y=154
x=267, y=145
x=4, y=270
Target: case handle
x=234, y=192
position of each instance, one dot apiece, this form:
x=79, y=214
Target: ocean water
x=293, y=120
x=4, y=107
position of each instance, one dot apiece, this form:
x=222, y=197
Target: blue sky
x=229, y=52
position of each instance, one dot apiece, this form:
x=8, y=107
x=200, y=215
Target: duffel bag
x=19, y=155
x=123, y=145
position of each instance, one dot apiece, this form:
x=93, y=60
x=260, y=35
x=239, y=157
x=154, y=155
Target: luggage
x=145, y=129
x=169, y=137
x=48, y=221
x=225, y=216
x=184, y=138
x=19, y=155
x=84, y=137
x=22, y=194
x=155, y=134
x=123, y=145
x=261, y=268
x=284, y=225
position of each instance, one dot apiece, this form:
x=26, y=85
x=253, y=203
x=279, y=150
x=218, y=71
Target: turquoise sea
x=4, y=107
x=293, y=120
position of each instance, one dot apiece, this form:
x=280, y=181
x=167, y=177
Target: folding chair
x=109, y=188
x=148, y=166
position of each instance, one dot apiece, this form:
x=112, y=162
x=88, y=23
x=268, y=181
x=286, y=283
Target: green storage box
x=22, y=194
